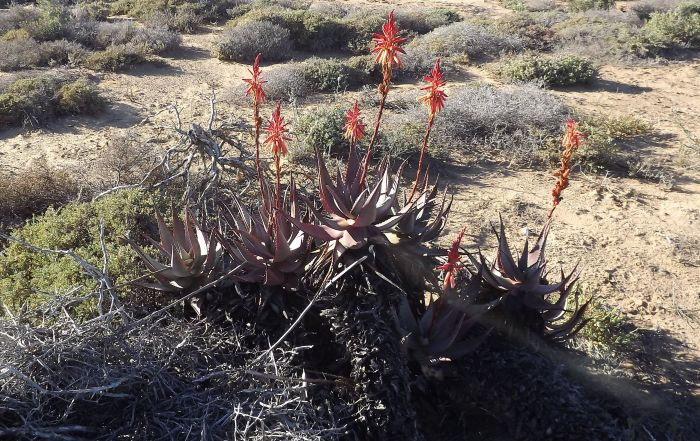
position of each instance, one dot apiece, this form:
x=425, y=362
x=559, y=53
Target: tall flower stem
x=278, y=185
x=384, y=91
x=423, y=149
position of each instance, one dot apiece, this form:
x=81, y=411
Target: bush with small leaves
x=115, y=58
x=287, y=83
x=584, y=5
x=331, y=74
x=156, y=40
x=245, y=41
x=361, y=24
x=320, y=128
x=33, y=100
x=24, y=194
x=19, y=53
x=18, y=17
x=80, y=97
x=422, y=21
x=666, y=32
x=644, y=8
x=475, y=41
x=30, y=277
x=53, y=22
x=564, y=71
x=112, y=34
x=533, y=33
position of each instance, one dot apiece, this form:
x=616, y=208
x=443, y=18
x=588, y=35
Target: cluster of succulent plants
x=375, y=243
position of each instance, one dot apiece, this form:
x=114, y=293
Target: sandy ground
x=639, y=244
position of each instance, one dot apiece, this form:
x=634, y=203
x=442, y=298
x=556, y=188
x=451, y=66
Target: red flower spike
x=255, y=83
x=434, y=96
x=354, y=127
x=276, y=128
x=388, y=44
x=571, y=141
x=453, y=264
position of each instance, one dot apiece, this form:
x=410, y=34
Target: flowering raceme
x=354, y=127
x=255, y=82
x=571, y=141
x=276, y=129
x=434, y=97
x=453, y=264
x=388, y=44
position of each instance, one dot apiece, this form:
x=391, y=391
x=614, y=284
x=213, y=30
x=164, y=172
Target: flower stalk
x=434, y=99
x=570, y=142
x=387, y=49
x=276, y=139
x=255, y=90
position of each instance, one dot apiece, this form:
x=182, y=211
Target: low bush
x=28, y=277
x=422, y=21
x=286, y=83
x=245, y=41
x=361, y=24
x=475, y=41
x=584, y=5
x=115, y=58
x=18, y=54
x=320, y=128
x=605, y=135
x=666, y=32
x=33, y=100
x=17, y=17
x=156, y=40
x=598, y=35
x=332, y=74
x=112, y=34
x=644, y=8
x=30, y=192
x=533, y=33
x=516, y=123
x=564, y=71
x=80, y=98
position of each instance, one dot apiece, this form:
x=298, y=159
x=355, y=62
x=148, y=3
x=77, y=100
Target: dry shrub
x=474, y=40
x=125, y=161
x=25, y=193
x=246, y=40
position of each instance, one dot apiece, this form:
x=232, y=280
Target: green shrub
x=607, y=329
x=33, y=100
x=585, y=5
x=307, y=30
x=332, y=74
x=605, y=133
x=15, y=34
x=80, y=97
x=533, y=34
x=422, y=21
x=31, y=278
x=668, y=31
x=115, y=58
x=320, y=128
x=563, y=71
x=53, y=23
x=361, y=25
x=246, y=40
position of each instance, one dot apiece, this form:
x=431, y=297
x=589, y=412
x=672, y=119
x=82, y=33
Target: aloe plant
x=528, y=298
x=270, y=249
x=190, y=257
x=441, y=329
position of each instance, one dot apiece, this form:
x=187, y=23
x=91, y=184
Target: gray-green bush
x=564, y=71
x=320, y=128
x=475, y=41
x=245, y=41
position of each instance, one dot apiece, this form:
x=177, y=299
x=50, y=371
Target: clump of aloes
x=267, y=246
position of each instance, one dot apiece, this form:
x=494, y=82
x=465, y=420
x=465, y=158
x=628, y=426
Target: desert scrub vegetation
x=52, y=34
x=245, y=41
x=585, y=5
x=342, y=287
x=606, y=135
x=23, y=194
x=464, y=39
x=480, y=121
x=320, y=128
x=563, y=71
x=28, y=277
x=33, y=100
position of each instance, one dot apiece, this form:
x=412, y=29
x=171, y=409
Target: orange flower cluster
x=571, y=141
x=255, y=83
x=388, y=44
x=453, y=265
x=276, y=129
x=354, y=127
x=434, y=97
